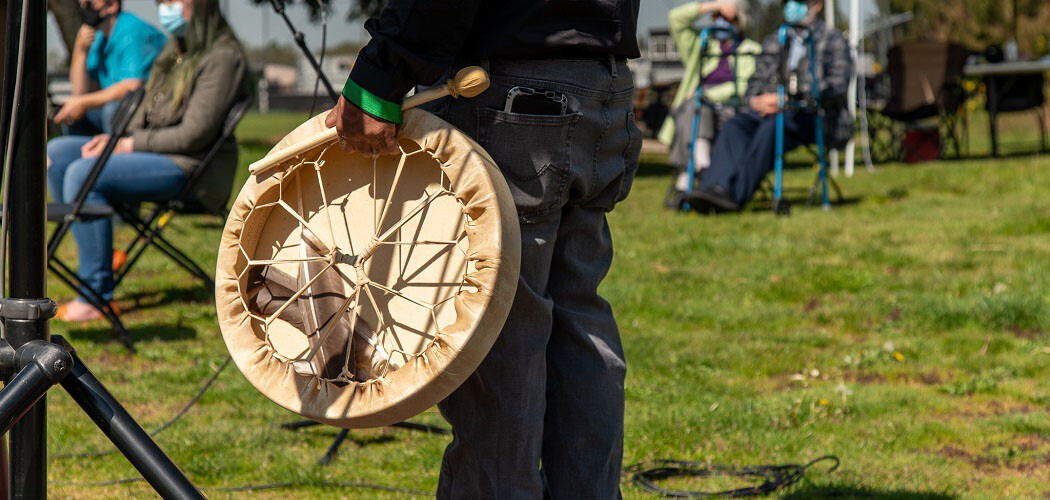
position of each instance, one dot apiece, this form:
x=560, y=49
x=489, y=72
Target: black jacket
x=415, y=41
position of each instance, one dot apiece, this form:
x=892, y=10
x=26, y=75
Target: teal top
x=127, y=53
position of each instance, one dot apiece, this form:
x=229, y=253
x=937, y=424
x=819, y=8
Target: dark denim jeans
x=126, y=177
x=550, y=394
x=746, y=147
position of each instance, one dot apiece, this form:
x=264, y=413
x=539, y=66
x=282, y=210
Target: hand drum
x=359, y=291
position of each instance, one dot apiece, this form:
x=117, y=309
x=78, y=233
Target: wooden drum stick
x=468, y=82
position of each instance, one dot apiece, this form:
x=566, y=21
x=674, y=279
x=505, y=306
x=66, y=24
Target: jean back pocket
x=533, y=153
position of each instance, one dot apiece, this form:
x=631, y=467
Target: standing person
x=201, y=73
x=724, y=78
x=550, y=393
x=112, y=55
x=745, y=148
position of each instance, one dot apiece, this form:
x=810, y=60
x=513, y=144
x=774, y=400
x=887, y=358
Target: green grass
x=905, y=333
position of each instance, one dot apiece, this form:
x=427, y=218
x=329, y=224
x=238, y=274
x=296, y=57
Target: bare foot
x=78, y=311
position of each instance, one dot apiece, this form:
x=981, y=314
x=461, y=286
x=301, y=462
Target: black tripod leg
x=334, y=447
x=126, y=434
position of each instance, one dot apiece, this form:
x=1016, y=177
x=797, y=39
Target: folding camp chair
x=150, y=224
x=924, y=83
x=79, y=211
x=147, y=229
x=681, y=200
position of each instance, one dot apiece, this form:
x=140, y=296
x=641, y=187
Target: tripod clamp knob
x=27, y=309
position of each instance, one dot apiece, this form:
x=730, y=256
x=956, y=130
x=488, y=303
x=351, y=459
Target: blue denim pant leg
x=95, y=121
x=550, y=392
x=125, y=178
x=61, y=152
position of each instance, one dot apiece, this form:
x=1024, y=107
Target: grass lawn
x=904, y=332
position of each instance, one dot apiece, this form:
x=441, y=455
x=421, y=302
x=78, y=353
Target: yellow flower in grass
x=898, y=356
x=823, y=402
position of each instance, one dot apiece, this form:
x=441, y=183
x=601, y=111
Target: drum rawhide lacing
x=326, y=271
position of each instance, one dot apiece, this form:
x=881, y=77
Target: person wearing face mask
x=111, y=56
x=199, y=75
x=724, y=78
x=744, y=151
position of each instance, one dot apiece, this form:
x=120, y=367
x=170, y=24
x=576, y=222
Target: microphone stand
x=300, y=40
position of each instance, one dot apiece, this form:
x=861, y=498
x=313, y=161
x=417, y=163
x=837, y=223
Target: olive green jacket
x=186, y=134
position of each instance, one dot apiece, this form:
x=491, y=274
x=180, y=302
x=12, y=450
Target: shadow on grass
x=212, y=223
x=148, y=299
x=655, y=166
x=360, y=441
x=104, y=334
x=809, y=491
x=802, y=201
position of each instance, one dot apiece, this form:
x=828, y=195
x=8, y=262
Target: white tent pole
x=829, y=18
x=851, y=98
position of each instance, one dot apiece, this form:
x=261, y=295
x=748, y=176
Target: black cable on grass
x=185, y=408
x=774, y=477
x=260, y=487
x=250, y=487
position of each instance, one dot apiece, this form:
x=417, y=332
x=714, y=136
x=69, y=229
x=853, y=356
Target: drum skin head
x=359, y=291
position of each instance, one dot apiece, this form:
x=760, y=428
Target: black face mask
x=91, y=17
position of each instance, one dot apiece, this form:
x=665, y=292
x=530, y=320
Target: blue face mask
x=170, y=17
x=723, y=30
x=795, y=11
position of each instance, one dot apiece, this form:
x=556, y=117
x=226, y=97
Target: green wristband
x=371, y=104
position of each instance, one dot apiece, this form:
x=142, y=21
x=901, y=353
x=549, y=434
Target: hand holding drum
x=468, y=82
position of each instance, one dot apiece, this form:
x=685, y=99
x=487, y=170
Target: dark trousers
x=550, y=393
x=745, y=148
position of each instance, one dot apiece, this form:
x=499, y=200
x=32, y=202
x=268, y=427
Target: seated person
x=112, y=56
x=720, y=86
x=745, y=150
x=195, y=81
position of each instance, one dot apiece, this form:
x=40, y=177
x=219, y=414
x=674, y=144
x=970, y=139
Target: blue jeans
x=95, y=121
x=127, y=177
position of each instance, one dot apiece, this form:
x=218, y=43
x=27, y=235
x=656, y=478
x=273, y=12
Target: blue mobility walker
x=705, y=35
x=780, y=205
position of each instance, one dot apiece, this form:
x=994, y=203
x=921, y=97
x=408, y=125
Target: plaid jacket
x=834, y=71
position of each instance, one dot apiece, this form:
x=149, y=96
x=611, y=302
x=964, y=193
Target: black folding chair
x=149, y=224
x=148, y=228
x=79, y=211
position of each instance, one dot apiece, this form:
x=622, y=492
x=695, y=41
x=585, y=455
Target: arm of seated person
x=77, y=105
x=94, y=147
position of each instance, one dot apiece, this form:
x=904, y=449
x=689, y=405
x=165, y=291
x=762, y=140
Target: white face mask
x=170, y=17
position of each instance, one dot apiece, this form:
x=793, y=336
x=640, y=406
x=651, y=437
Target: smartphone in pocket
x=529, y=101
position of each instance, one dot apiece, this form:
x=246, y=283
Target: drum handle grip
x=468, y=82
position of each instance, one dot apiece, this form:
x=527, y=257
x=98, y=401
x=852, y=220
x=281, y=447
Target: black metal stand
x=30, y=362
x=300, y=40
